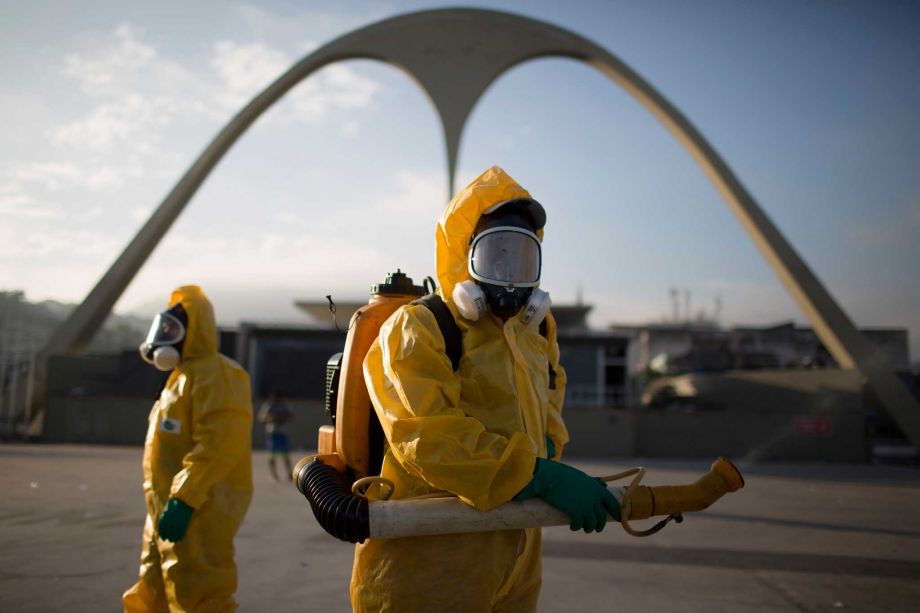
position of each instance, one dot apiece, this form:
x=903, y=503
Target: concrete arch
x=454, y=55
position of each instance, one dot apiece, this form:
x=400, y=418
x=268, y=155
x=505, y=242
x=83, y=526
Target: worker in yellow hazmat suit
x=481, y=432
x=197, y=464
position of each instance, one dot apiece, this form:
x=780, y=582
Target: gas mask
x=504, y=262
x=163, y=346
x=472, y=301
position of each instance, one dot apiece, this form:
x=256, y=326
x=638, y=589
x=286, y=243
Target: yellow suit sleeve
x=416, y=395
x=555, y=426
x=222, y=431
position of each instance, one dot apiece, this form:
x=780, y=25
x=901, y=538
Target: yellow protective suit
x=475, y=432
x=198, y=450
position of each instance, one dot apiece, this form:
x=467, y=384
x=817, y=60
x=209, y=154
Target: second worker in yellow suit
x=482, y=432
x=197, y=464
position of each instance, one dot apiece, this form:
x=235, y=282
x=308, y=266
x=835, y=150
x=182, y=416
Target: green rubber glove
x=583, y=498
x=550, y=448
x=174, y=520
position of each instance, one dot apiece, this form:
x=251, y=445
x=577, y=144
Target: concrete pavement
x=796, y=538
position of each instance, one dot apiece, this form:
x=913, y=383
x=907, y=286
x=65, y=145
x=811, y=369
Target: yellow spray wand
x=443, y=513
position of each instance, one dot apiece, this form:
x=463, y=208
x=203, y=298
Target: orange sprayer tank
x=358, y=438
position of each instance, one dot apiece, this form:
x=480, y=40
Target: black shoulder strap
x=453, y=337
x=544, y=332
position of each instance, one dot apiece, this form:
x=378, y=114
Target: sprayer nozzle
x=729, y=472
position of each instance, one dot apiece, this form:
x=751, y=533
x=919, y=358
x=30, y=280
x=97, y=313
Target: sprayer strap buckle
x=359, y=488
x=629, y=530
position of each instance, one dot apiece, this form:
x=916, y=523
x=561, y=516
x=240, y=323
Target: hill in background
x=26, y=326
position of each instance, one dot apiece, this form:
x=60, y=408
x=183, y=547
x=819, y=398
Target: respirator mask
x=504, y=262
x=163, y=346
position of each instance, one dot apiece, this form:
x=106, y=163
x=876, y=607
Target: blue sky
x=814, y=105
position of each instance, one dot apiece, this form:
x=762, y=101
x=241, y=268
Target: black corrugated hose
x=338, y=511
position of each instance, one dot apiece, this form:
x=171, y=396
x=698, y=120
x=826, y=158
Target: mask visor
x=166, y=329
x=506, y=256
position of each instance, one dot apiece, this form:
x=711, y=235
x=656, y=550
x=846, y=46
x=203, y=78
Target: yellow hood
x=201, y=336
x=455, y=228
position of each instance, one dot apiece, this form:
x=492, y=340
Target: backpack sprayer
x=337, y=478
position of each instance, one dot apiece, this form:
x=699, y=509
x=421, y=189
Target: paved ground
x=797, y=538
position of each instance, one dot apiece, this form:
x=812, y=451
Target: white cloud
x=139, y=92
x=55, y=176
x=351, y=128
x=134, y=98
x=132, y=117
x=26, y=116
x=72, y=248
x=264, y=262
x=416, y=194
x=49, y=174
x=323, y=20
x=308, y=46
x=14, y=201
x=346, y=88
x=341, y=251
x=141, y=213
x=97, y=75
x=104, y=177
x=136, y=94
x=245, y=70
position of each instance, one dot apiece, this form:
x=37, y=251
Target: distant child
x=275, y=414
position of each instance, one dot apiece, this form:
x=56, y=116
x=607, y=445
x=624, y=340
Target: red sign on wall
x=811, y=425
